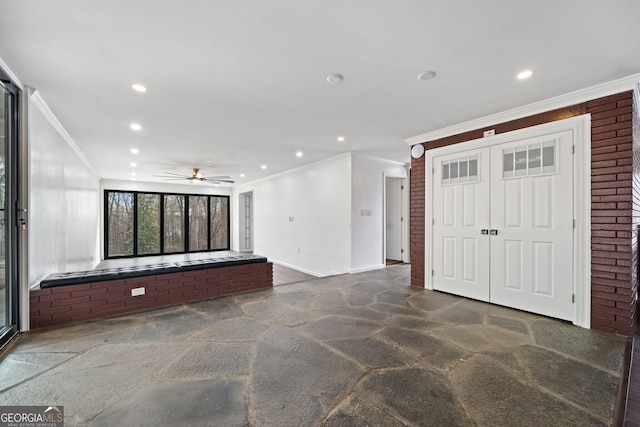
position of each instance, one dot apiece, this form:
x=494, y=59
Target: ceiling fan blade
x=221, y=177
x=173, y=173
x=169, y=177
x=218, y=181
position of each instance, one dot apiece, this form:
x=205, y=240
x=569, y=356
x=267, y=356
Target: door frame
x=15, y=212
x=580, y=126
x=404, y=224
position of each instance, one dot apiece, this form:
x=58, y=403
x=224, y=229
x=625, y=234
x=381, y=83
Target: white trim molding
x=39, y=102
x=572, y=98
x=11, y=74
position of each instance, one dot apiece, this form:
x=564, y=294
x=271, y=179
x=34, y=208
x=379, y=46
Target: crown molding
x=290, y=171
x=571, y=98
x=39, y=102
x=11, y=74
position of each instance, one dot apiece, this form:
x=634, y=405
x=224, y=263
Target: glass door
x=8, y=204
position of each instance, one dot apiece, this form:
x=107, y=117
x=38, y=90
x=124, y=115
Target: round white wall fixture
x=334, y=79
x=417, y=151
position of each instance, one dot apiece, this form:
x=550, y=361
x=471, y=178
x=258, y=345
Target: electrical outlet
x=135, y=292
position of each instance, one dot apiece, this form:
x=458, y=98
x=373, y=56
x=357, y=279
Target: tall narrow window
x=148, y=215
x=120, y=223
x=219, y=213
x=198, y=223
x=174, y=223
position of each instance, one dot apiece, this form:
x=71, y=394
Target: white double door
x=503, y=224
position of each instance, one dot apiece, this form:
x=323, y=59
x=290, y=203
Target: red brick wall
x=612, y=306
x=635, y=231
x=416, y=221
x=73, y=303
x=613, y=281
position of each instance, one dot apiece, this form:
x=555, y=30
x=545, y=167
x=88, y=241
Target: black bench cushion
x=78, y=277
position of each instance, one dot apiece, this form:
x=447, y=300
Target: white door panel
x=460, y=251
x=533, y=215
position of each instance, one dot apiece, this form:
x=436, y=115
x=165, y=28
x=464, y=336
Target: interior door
x=393, y=218
x=532, y=214
x=503, y=224
x=461, y=213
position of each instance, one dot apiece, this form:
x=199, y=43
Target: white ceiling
x=242, y=82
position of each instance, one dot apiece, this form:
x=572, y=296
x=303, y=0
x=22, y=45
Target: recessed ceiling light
x=340, y=138
x=334, y=79
x=133, y=174
x=263, y=166
x=139, y=88
x=426, y=75
x=133, y=165
x=524, y=74
x=208, y=160
x=135, y=126
x=133, y=179
x=299, y=154
x=134, y=151
x=241, y=175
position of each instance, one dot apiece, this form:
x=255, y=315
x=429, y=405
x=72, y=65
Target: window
x=529, y=160
x=148, y=217
x=198, y=206
x=119, y=224
x=174, y=223
x=460, y=171
x=219, y=211
x=139, y=223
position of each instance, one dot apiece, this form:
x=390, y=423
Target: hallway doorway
x=394, y=219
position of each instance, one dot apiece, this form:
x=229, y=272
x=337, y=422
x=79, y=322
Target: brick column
x=612, y=303
x=416, y=221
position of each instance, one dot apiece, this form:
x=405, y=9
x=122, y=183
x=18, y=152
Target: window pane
x=534, y=157
x=548, y=156
x=463, y=168
x=507, y=162
x=198, y=223
x=148, y=224
x=473, y=167
x=120, y=223
x=173, y=223
x=454, y=169
x=219, y=222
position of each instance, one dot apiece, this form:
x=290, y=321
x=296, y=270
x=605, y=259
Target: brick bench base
x=73, y=303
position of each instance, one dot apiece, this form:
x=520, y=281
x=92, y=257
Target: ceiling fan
x=196, y=176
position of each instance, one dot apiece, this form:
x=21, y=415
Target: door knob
x=493, y=232
x=484, y=231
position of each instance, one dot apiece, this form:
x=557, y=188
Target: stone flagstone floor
x=351, y=350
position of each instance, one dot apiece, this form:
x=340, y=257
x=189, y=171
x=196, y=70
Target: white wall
x=63, y=200
x=160, y=187
x=367, y=195
x=317, y=198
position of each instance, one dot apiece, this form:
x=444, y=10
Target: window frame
x=185, y=230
